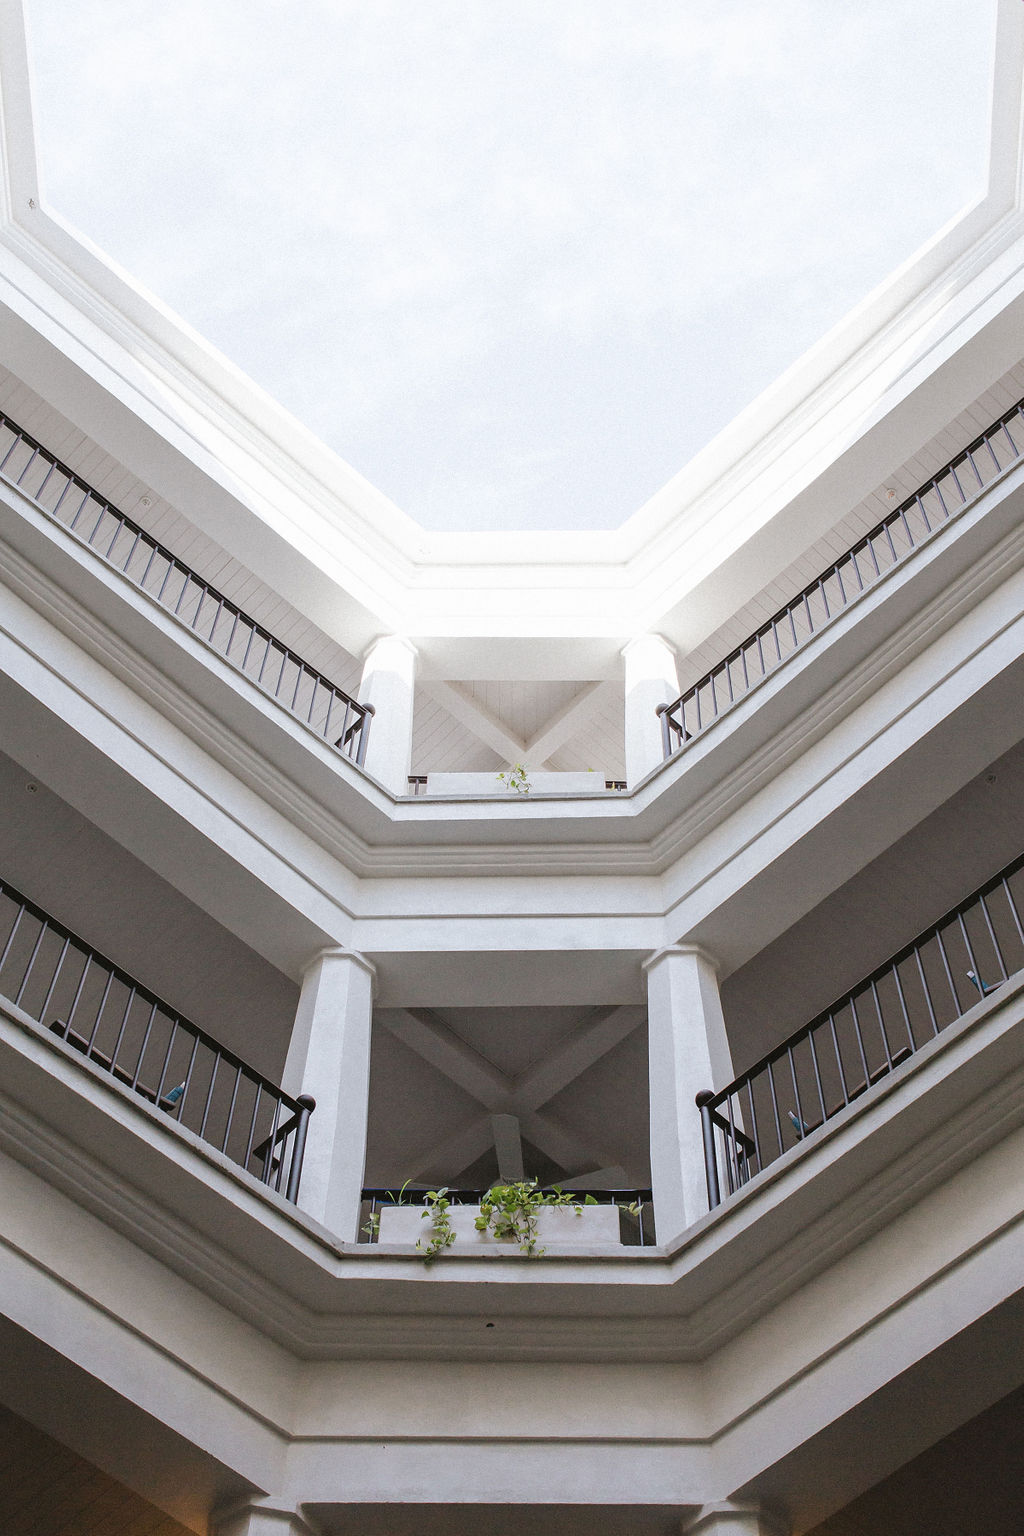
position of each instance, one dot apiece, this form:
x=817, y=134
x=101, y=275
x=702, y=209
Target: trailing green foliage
x=516, y=778
x=509, y=1211
x=442, y=1233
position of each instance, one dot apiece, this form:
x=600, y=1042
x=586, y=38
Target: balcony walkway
x=865, y=1034
x=229, y=630
x=146, y=1046
x=957, y=485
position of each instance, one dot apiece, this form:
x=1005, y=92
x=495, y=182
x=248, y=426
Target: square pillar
x=329, y=1058
x=389, y=684
x=650, y=679
x=689, y=1052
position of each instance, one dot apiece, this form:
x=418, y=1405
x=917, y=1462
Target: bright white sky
x=516, y=262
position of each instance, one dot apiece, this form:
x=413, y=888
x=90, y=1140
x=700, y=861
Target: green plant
x=442, y=1233
x=372, y=1228
x=509, y=1211
x=516, y=778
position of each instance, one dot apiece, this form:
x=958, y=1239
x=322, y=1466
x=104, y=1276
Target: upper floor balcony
x=461, y=741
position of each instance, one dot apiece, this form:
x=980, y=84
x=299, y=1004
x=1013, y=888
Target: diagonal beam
x=431, y=1038
x=562, y=1145
x=594, y=1038
x=470, y=713
x=564, y=724
x=427, y=1034
x=461, y=1149
x=614, y=1177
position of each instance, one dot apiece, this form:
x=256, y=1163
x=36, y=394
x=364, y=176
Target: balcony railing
x=864, y=1035
x=122, y=1027
x=889, y=543
x=636, y=1212
x=253, y=650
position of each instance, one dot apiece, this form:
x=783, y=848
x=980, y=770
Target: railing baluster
x=144, y=1046
x=231, y=1108
x=43, y=930
x=209, y=1093
x=99, y=1011
x=927, y=990
x=992, y=937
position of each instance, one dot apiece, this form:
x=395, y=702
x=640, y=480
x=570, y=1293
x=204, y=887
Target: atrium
x=665, y=884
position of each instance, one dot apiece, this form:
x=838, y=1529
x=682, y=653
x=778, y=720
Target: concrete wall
x=82, y=877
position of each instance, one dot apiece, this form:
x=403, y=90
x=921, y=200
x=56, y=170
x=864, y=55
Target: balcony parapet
x=863, y=1036
x=888, y=544
x=120, y=542
x=635, y=1227
x=148, y=1047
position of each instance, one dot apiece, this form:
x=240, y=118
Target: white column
x=389, y=684
x=329, y=1058
x=650, y=679
x=689, y=1052
x=733, y=1519
x=260, y=1517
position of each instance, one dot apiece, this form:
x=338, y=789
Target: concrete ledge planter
x=540, y=784
x=594, y=1226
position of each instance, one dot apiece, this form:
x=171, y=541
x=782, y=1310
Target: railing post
x=306, y=1104
x=364, y=734
x=329, y=1056
x=687, y=1050
x=649, y=680
x=389, y=687
x=707, y=1127
x=666, y=730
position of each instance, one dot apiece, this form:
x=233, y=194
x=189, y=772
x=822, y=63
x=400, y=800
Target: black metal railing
x=119, y=1025
x=865, y=1034
x=636, y=1211
x=116, y=538
x=898, y=534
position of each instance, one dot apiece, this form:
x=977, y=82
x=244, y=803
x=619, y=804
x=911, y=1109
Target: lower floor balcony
x=125, y=1030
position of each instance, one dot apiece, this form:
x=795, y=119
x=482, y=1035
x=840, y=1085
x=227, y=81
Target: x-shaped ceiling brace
x=509, y=1103
x=494, y=733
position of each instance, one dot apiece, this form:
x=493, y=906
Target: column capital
x=401, y=641
x=726, y=1517
x=648, y=638
x=667, y=950
x=340, y=952
x=250, y=1516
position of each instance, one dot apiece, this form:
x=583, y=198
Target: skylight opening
x=516, y=264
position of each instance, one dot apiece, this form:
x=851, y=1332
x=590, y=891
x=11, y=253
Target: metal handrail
x=887, y=544
x=864, y=1035
x=122, y=543
x=121, y=1026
